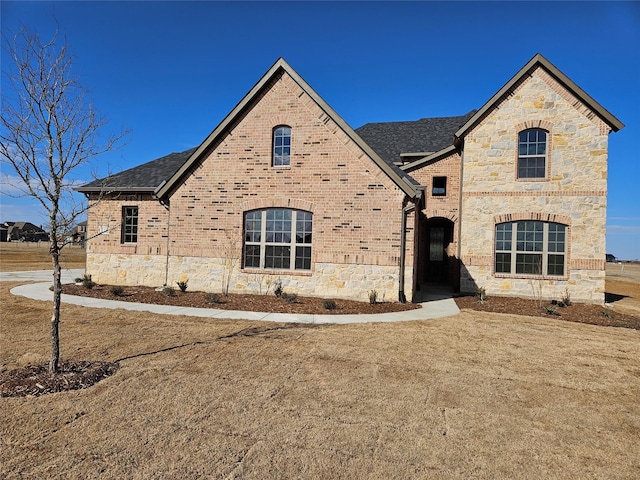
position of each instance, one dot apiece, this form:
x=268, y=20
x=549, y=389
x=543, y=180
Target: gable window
x=531, y=248
x=282, y=146
x=129, y=224
x=439, y=187
x=532, y=153
x=278, y=238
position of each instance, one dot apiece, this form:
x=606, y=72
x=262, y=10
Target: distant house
x=24, y=232
x=509, y=198
x=3, y=233
x=79, y=233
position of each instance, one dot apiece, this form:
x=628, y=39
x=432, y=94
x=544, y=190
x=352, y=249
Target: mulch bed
x=246, y=302
x=35, y=380
x=576, y=312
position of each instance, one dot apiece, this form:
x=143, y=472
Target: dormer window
x=532, y=154
x=282, y=146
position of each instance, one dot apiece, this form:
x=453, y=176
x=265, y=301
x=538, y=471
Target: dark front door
x=438, y=233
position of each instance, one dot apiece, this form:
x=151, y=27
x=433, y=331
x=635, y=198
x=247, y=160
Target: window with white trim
x=278, y=239
x=530, y=247
x=129, y=225
x=532, y=153
x=282, y=146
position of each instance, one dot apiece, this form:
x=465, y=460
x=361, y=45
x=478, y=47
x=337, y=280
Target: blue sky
x=170, y=71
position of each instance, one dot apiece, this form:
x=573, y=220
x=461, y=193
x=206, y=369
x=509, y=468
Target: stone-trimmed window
x=277, y=239
x=439, y=187
x=532, y=154
x=129, y=224
x=530, y=247
x=281, y=146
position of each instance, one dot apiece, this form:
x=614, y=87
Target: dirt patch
x=36, y=380
x=246, y=302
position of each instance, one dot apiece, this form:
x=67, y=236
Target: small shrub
x=329, y=305
x=566, y=298
x=551, y=310
x=277, y=288
x=87, y=282
x=116, y=291
x=78, y=280
x=168, y=291
x=289, y=297
x=481, y=293
x=182, y=285
x=373, y=297
x=213, y=298
x=608, y=313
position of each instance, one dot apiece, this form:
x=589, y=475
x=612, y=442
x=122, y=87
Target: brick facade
x=193, y=228
x=356, y=208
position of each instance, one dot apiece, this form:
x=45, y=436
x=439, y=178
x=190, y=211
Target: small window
x=282, y=147
x=532, y=153
x=439, y=187
x=531, y=248
x=278, y=238
x=129, y=224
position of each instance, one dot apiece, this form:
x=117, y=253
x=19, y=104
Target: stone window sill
x=531, y=277
x=261, y=271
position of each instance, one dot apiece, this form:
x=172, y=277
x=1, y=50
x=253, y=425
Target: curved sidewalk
x=439, y=307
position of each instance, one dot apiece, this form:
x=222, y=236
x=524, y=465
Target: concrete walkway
x=431, y=308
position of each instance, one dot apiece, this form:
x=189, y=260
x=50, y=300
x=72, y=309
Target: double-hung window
x=531, y=248
x=278, y=239
x=532, y=154
x=282, y=146
x=129, y=225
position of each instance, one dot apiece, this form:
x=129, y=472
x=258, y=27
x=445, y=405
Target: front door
x=438, y=233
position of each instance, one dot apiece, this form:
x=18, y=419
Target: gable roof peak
x=402, y=180
x=538, y=60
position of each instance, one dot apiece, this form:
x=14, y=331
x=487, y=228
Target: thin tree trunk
x=54, y=365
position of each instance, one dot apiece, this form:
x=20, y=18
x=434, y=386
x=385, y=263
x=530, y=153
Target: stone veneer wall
x=573, y=193
x=329, y=280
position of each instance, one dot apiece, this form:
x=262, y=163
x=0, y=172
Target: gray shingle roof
x=390, y=139
x=387, y=139
x=145, y=177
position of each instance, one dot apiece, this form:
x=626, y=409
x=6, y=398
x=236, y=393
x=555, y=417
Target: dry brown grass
x=19, y=256
x=472, y=396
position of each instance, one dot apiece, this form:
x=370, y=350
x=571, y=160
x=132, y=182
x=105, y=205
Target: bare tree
x=48, y=129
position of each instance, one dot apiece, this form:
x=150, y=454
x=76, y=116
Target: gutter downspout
x=166, y=206
x=402, y=298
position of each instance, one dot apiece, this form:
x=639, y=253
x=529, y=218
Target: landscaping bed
x=285, y=303
x=576, y=312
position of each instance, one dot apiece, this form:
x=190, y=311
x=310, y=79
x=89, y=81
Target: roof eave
x=538, y=59
x=445, y=152
x=114, y=189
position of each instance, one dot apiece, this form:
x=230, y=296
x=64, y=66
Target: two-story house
x=510, y=198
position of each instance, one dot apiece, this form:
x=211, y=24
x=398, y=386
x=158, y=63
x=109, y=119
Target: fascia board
x=445, y=152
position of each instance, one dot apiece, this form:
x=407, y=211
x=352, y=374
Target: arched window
x=282, y=146
x=532, y=153
x=278, y=238
x=531, y=247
